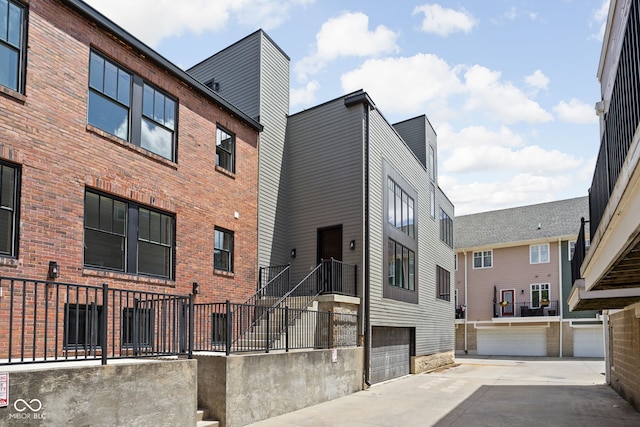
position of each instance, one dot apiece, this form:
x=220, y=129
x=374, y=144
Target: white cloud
x=153, y=20
x=306, y=95
x=442, y=22
x=537, y=80
x=344, y=36
x=419, y=79
x=599, y=19
x=576, y=111
x=501, y=100
x=475, y=136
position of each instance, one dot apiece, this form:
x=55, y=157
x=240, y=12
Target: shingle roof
x=556, y=219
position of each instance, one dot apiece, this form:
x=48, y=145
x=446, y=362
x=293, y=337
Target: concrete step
x=201, y=422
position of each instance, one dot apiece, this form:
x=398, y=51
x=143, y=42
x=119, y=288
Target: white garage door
x=512, y=342
x=588, y=342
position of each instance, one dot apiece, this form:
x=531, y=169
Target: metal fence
x=51, y=322
x=526, y=309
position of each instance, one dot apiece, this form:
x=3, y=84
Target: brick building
x=116, y=165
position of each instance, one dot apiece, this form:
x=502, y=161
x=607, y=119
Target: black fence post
x=286, y=328
x=104, y=320
x=330, y=334
x=191, y=326
x=266, y=341
x=229, y=329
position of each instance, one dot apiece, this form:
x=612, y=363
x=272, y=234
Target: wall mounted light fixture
x=53, y=270
x=195, y=288
x=293, y=253
x=352, y=244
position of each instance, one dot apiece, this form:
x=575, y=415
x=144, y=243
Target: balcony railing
x=579, y=252
x=525, y=309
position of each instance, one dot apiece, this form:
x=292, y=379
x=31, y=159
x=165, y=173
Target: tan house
x=512, y=278
x=607, y=276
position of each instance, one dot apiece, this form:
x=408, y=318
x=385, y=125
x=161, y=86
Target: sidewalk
x=477, y=392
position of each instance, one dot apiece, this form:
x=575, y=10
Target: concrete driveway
x=480, y=391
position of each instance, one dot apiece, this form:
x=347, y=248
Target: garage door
x=390, y=353
x=512, y=342
x=588, y=342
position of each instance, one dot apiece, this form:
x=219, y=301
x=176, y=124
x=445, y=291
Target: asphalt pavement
x=480, y=391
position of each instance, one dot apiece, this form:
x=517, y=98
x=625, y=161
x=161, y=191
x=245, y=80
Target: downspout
x=466, y=306
x=561, y=299
x=367, y=255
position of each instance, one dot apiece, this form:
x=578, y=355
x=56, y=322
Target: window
x=446, y=228
x=443, y=283
x=147, y=120
x=12, y=52
x=219, y=322
x=402, y=268
x=137, y=327
x=225, y=150
x=223, y=250
x=123, y=236
x=433, y=201
x=9, y=190
x=82, y=325
x=539, y=292
x=572, y=247
x=432, y=164
x=483, y=259
x=455, y=262
x=539, y=254
x=401, y=208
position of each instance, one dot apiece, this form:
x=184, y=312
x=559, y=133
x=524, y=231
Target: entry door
x=330, y=243
x=330, y=246
x=507, y=295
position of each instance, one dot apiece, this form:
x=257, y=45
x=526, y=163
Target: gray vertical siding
x=325, y=174
x=413, y=131
x=254, y=75
x=431, y=317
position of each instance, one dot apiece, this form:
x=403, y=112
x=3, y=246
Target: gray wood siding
x=414, y=134
x=324, y=161
x=432, y=318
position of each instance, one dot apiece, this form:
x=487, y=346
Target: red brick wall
x=624, y=334
x=46, y=132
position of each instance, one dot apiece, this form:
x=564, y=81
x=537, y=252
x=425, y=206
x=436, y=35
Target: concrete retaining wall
x=242, y=389
x=146, y=393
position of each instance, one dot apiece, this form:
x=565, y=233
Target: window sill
x=224, y=273
x=10, y=262
x=225, y=172
x=130, y=146
x=10, y=93
x=129, y=277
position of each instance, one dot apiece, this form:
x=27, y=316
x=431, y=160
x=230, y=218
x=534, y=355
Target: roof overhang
x=580, y=299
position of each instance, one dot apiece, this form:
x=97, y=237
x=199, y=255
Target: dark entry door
x=330, y=246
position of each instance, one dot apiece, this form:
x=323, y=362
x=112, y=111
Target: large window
x=12, y=24
x=122, y=104
x=446, y=228
x=9, y=190
x=539, y=254
x=483, y=259
x=82, y=325
x=432, y=201
x=137, y=327
x=443, y=283
x=401, y=209
x=402, y=266
x=539, y=293
x=225, y=150
x=223, y=250
x=124, y=236
x=432, y=163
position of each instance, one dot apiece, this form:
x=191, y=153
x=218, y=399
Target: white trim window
x=483, y=259
x=539, y=292
x=539, y=254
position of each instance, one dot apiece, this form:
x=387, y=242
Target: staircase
x=201, y=422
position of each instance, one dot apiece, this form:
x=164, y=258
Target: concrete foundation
x=123, y=393
x=430, y=362
x=241, y=389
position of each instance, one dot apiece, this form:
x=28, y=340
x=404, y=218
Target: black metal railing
x=272, y=281
x=231, y=328
x=44, y=321
x=579, y=252
x=526, y=309
x=338, y=278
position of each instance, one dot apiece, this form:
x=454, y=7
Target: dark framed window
x=123, y=104
x=219, y=330
x=223, y=250
x=137, y=327
x=82, y=325
x=124, y=236
x=401, y=209
x=401, y=266
x=446, y=228
x=443, y=283
x=225, y=150
x=12, y=51
x=9, y=202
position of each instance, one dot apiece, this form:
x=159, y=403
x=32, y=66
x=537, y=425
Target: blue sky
x=509, y=85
